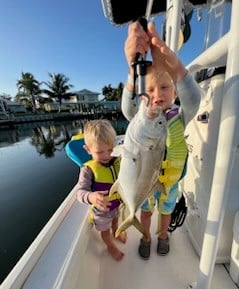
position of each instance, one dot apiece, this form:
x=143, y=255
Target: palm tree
x=107, y=91
x=111, y=93
x=29, y=87
x=58, y=87
x=119, y=91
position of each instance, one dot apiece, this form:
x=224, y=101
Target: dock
x=11, y=120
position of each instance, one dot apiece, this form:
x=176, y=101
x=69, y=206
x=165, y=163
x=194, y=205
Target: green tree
x=28, y=88
x=119, y=91
x=107, y=91
x=111, y=93
x=58, y=87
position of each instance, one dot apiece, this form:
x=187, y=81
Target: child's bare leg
x=112, y=248
x=122, y=236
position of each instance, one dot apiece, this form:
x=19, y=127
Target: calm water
x=35, y=177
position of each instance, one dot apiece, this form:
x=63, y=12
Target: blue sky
x=72, y=37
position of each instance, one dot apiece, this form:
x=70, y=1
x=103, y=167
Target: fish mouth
x=158, y=103
x=153, y=111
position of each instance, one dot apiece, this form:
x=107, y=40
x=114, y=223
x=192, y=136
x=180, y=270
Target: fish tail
x=127, y=223
x=139, y=226
x=124, y=226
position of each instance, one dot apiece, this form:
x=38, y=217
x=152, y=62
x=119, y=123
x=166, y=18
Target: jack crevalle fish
x=141, y=156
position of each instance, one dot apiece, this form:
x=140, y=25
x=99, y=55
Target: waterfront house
x=85, y=102
x=85, y=97
x=89, y=101
x=81, y=101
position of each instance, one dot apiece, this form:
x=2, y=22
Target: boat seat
x=75, y=150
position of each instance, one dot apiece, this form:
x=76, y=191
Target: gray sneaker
x=163, y=247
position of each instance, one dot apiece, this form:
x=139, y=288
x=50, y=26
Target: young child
x=96, y=178
x=165, y=79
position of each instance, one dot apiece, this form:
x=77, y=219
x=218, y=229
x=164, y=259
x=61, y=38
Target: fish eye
x=160, y=122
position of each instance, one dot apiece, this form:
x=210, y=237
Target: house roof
x=86, y=91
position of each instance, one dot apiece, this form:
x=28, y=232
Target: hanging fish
x=141, y=156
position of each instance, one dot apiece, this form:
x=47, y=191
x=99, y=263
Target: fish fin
x=134, y=154
x=113, y=192
x=159, y=187
x=127, y=223
x=117, y=151
x=119, y=139
x=114, y=188
x=162, y=188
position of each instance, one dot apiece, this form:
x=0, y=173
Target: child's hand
x=97, y=198
x=164, y=59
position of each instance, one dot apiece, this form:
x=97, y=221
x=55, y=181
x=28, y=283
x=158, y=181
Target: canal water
x=35, y=178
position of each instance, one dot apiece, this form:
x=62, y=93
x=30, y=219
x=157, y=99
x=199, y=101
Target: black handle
x=143, y=21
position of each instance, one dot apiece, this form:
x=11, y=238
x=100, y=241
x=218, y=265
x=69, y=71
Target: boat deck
x=70, y=254
x=176, y=270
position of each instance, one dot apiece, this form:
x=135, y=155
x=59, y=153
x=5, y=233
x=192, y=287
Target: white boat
x=204, y=252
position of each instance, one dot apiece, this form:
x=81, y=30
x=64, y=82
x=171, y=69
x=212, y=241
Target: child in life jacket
x=165, y=79
x=95, y=180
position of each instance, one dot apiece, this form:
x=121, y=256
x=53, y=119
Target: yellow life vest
x=176, y=154
x=104, y=174
x=104, y=177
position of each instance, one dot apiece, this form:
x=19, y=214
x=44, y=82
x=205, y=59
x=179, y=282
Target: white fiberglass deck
x=176, y=270
x=70, y=254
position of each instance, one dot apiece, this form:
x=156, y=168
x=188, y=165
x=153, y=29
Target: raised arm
x=163, y=59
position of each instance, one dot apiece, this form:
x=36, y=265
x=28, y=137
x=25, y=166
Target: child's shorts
x=166, y=207
x=103, y=220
